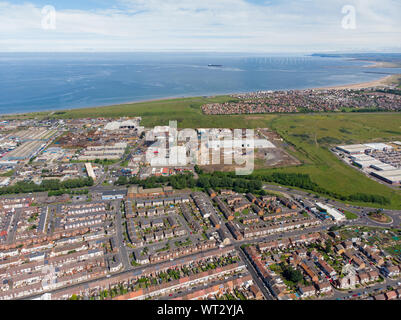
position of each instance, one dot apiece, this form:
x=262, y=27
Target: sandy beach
x=383, y=82
x=382, y=64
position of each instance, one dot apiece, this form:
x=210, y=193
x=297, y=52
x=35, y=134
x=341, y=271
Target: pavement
x=364, y=291
x=358, y=210
x=120, y=237
x=266, y=292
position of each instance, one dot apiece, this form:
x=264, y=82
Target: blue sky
x=201, y=25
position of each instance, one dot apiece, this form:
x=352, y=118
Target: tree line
x=216, y=180
x=304, y=181
x=46, y=185
x=243, y=184
x=63, y=191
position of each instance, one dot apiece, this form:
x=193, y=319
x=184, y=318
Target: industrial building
x=379, y=146
x=25, y=151
x=139, y=192
x=361, y=157
x=366, y=163
x=246, y=143
x=33, y=134
x=114, y=194
x=89, y=170
x=383, y=166
x=380, y=160
x=334, y=213
x=113, y=152
x=390, y=176
x=126, y=124
x=353, y=149
x=33, y=141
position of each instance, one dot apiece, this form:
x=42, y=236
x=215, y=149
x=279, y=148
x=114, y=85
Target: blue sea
x=39, y=82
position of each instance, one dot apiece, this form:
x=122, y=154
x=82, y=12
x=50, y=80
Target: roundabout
x=380, y=217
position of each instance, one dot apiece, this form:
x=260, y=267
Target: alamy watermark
x=49, y=278
x=49, y=17
x=349, y=20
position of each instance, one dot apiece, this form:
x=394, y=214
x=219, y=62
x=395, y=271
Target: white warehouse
x=337, y=215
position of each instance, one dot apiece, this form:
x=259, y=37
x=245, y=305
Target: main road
x=119, y=234
x=358, y=210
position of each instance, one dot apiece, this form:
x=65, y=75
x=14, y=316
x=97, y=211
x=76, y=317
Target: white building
x=389, y=176
x=379, y=146
x=89, y=170
x=353, y=148
x=337, y=215
x=240, y=143
x=126, y=124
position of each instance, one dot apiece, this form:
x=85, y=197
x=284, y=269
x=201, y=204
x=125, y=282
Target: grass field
x=311, y=136
x=350, y=215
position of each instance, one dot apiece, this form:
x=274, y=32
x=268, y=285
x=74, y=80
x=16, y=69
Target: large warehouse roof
x=383, y=167
x=367, y=163
x=353, y=148
x=378, y=146
x=337, y=215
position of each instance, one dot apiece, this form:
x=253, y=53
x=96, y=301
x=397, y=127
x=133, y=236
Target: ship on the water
x=215, y=65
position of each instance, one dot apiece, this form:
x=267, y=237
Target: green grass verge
x=8, y=173
x=379, y=217
x=350, y=215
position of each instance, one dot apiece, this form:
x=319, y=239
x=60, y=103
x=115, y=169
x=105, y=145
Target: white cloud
x=218, y=25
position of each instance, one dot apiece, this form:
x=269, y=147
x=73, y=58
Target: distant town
x=312, y=100
x=92, y=209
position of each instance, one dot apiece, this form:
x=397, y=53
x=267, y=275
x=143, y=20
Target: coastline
x=382, y=82
x=381, y=64
x=50, y=112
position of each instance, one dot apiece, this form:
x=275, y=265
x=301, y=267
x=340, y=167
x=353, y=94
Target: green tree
x=292, y=275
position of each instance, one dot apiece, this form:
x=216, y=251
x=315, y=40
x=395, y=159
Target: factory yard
x=75, y=149
x=379, y=160
x=269, y=152
x=27, y=143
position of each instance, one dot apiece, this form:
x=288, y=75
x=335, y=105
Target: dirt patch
x=380, y=217
x=263, y=158
x=273, y=158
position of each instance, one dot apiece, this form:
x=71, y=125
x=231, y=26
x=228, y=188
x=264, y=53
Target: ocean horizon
x=34, y=82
